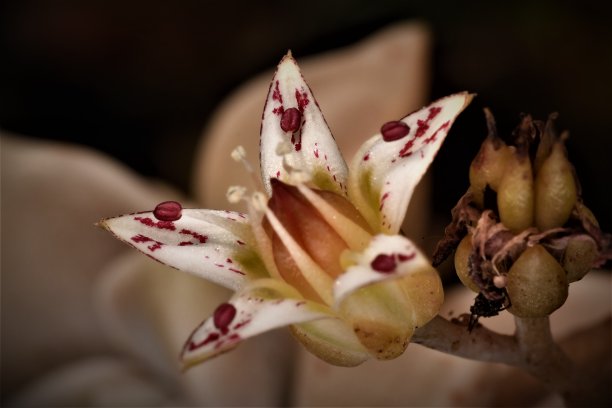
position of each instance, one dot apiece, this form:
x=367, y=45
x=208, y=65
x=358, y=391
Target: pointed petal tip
x=387, y=168
x=469, y=97
x=310, y=138
x=287, y=59
x=105, y=224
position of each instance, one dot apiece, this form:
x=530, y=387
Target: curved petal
x=387, y=257
x=263, y=305
x=389, y=291
x=313, y=147
x=216, y=245
x=384, y=173
x=331, y=340
x=395, y=258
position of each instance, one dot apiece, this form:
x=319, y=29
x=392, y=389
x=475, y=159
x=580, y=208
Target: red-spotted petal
x=388, y=167
x=216, y=245
x=387, y=257
x=389, y=291
x=263, y=305
x=292, y=116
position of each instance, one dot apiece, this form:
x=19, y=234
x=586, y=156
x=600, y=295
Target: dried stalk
x=531, y=349
x=480, y=344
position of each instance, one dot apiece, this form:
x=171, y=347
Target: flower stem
x=481, y=344
x=531, y=349
x=544, y=359
x=540, y=355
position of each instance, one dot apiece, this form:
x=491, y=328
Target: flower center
x=308, y=227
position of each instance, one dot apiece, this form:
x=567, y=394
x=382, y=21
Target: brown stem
x=541, y=356
x=481, y=344
x=531, y=349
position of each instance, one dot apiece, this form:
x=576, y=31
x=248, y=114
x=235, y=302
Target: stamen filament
x=235, y=194
x=239, y=156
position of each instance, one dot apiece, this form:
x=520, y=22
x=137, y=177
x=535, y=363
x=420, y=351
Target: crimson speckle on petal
x=168, y=211
x=224, y=315
x=383, y=263
x=291, y=120
x=394, y=130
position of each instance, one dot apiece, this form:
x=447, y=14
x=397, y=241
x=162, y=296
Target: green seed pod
x=515, y=196
x=555, y=190
x=537, y=284
x=487, y=168
x=580, y=253
x=462, y=255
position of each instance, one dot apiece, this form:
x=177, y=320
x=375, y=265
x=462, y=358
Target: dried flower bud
x=515, y=196
x=462, y=255
x=522, y=253
x=555, y=190
x=488, y=166
x=579, y=257
x=537, y=285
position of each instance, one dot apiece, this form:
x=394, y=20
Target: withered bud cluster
x=521, y=233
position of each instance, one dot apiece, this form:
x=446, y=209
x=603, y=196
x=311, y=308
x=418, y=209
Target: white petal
x=387, y=257
x=384, y=173
x=312, y=146
x=263, y=305
x=216, y=245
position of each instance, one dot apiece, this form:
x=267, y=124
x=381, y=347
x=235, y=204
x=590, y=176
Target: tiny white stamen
x=283, y=147
x=290, y=162
x=239, y=154
x=235, y=194
x=259, y=200
x=299, y=177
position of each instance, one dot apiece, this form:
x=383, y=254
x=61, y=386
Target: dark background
x=139, y=79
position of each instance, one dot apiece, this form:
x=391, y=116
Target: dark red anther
x=223, y=316
x=394, y=130
x=168, y=211
x=291, y=120
x=384, y=263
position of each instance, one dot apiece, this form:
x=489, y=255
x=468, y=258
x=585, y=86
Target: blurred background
x=139, y=79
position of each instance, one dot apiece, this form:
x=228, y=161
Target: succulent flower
x=319, y=247
x=521, y=232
